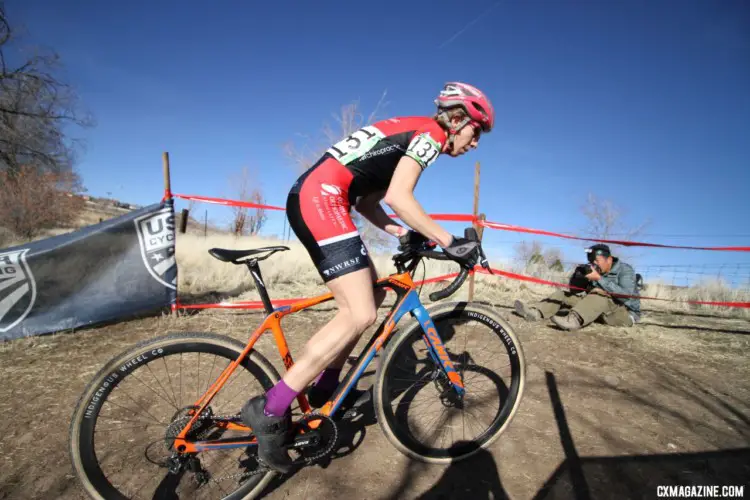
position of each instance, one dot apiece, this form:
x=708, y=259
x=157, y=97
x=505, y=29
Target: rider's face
x=467, y=138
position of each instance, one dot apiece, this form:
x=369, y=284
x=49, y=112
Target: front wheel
x=417, y=408
x=123, y=427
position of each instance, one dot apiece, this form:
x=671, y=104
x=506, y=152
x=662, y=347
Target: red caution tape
x=474, y=220
x=539, y=281
x=519, y=229
x=222, y=201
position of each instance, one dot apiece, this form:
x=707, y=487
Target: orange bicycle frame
x=407, y=302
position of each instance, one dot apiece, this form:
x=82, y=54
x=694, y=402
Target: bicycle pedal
x=350, y=414
x=363, y=399
x=354, y=412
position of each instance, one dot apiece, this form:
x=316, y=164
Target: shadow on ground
x=584, y=478
x=640, y=476
x=636, y=476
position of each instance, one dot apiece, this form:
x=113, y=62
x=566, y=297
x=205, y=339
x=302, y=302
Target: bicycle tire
x=81, y=449
x=452, y=310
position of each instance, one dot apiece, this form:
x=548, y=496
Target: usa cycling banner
x=118, y=268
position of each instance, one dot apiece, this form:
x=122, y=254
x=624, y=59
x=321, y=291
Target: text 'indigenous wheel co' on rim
x=420, y=412
x=127, y=418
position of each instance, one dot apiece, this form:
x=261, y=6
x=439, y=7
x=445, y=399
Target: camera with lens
x=579, y=280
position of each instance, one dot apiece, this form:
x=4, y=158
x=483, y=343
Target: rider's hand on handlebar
x=411, y=239
x=467, y=251
x=464, y=251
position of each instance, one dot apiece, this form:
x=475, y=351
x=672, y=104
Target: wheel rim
x=440, y=428
x=140, y=441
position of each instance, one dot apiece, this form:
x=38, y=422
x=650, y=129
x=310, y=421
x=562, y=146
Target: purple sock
x=329, y=379
x=279, y=399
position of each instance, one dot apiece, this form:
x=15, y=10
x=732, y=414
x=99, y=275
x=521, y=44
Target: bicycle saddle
x=233, y=256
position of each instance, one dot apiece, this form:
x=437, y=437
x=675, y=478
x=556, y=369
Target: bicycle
x=195, y=431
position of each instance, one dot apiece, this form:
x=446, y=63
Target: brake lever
x=484, y=262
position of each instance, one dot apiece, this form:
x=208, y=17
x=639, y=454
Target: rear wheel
x=120, y=431
x=417, y=408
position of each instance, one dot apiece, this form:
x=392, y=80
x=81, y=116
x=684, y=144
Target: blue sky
x=643, y=103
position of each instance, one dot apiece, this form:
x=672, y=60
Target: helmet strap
x=452, y=131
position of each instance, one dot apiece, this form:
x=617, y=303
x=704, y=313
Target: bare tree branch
x=534, y=254
x=247, y=221
x=36, y=110
x=33, y=201
x=605, y=220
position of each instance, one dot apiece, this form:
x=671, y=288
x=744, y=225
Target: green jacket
x=621, y=280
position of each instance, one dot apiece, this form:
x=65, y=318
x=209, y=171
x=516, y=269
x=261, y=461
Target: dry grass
x=713, y=290
x=287, y=274
x=89, y=215
x=291, y=274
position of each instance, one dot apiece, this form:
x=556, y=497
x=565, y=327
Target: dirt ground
x=607, y=413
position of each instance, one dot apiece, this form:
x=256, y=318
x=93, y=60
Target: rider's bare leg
x=379, y=296
x=268, y=415
x=355, y=298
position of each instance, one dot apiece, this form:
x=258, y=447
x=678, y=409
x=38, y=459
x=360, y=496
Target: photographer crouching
x=602, y=277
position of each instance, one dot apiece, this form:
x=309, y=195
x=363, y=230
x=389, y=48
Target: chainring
x=324, y=436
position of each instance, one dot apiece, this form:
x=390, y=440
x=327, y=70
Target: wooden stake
x=478, y=228
x=184, y=220
x=167, y=183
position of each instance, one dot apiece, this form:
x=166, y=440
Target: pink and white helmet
x=472, y=100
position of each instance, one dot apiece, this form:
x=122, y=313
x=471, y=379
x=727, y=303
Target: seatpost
x=252, y=264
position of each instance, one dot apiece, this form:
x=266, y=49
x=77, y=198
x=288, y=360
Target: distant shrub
x=32, y=201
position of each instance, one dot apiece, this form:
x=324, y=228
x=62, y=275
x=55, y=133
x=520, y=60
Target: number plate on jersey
x=424, y=149
x=357, y=144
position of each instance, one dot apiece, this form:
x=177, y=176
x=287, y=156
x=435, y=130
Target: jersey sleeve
x=426, y=145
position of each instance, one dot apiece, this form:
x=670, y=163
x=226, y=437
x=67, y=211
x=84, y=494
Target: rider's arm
x=371, y=209
x=400, y=197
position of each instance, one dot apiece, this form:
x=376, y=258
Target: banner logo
x=17, y=289
x=156, y=237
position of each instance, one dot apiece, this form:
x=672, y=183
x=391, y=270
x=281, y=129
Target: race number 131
x=423, y=149
x=357, y=144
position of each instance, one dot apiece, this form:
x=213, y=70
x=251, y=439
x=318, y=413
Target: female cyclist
x=382, y=161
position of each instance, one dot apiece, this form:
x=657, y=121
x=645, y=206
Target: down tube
x=434, y=342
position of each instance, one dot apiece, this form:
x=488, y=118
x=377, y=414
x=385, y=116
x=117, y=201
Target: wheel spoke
x=481, y=356
x=145, y=411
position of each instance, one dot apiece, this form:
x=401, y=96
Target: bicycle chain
x=263, y=469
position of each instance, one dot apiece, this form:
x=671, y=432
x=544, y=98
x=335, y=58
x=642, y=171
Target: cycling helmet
x=470, y=99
